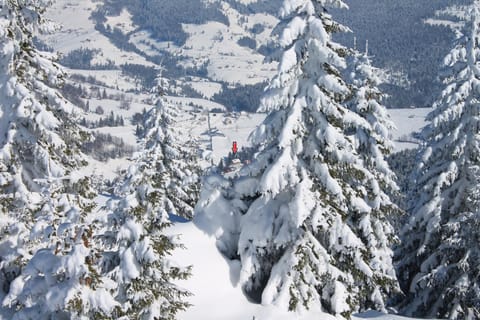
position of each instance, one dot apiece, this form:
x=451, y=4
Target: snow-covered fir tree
x=313, y=214
x=137, y=253
x=440, y=253
x=62, y=277
x=47, y=259
x=174, y=172
x=162, y=182
x=367, y=102
x=374, y=141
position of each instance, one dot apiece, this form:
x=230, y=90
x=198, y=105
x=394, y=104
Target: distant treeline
x=105, y=146
x=240, y=98
x=164, y=18
x=267, y=6
x=111, y=120
x=408, y=45
x=82, y=59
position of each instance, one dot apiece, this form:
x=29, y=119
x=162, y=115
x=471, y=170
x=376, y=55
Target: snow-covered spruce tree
x=175, y=172
x=62, y=278
x=440, y=254
x=46, y=262
x=156, y=186
x=374, y=141
x=315, y=230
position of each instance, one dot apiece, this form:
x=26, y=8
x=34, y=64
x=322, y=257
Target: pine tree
x=47, y=263
x=314, y=229
x=161, y=182
x=440, y=254
x=62, y=278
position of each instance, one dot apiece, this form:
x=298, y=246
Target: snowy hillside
x=78, y=31
x=230, y=49
x=240, y=32
x=217, y=295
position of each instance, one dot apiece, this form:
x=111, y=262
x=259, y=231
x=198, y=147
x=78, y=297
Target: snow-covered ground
x=214, y=44
x=78, y=31
x=123, y=22
x=407, y=121
x=213, y=284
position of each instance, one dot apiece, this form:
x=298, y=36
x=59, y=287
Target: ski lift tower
x=210, y=133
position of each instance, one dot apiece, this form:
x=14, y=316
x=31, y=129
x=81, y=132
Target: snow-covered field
x=226, y=60
x=407, y=121
x=77, y=31
x=213, y=283
x=216, y=45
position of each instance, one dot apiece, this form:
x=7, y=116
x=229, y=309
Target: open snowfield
x=77, y=31
x=122, y=22
x=206, y=88
x=226, y=60
x=216, y=44
x=407, y=121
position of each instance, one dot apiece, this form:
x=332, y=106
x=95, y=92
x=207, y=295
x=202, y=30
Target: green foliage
x=240, y=98
x=403, y=164
x=146, y=76
x=82, y=59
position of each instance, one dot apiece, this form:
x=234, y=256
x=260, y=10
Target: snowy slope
x=217, y=44
x=77, y=30
x=216, y=296
x=214, y=284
